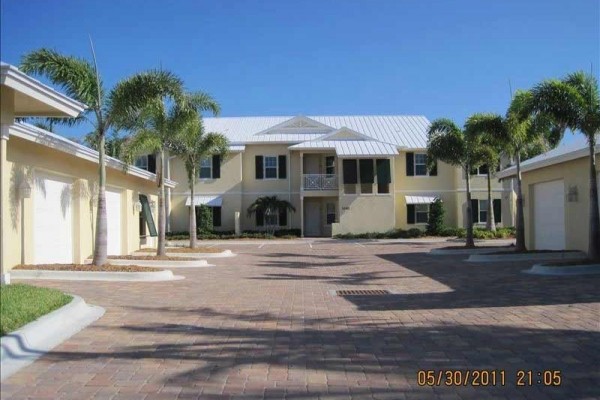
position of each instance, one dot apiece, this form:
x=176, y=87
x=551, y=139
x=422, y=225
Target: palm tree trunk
x=520, y=215
x=101, y=239
x=160, y=250
x=469, y=241
x=594, y=235
x=491, y=221
x=193, y=233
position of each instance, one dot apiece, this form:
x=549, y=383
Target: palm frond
x=143, y=141
x=446, y=142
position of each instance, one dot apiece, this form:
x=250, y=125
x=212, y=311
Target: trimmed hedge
x=224, y=235
x=478, y=233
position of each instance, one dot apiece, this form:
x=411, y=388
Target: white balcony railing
x=320, y=182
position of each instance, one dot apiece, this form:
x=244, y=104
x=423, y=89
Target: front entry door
x=312, y=218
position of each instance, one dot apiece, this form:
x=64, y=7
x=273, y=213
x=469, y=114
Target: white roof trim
x=350, y=148
x=298, y=120
x=65, y=106
x=54, y=141
x=210, y=201
x=237, y=148
x=552, y=157
x=346, y=129
x=420, y=199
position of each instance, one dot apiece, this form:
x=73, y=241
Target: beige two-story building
x=343, y=174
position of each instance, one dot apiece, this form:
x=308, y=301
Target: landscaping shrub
x=435, y=223
x=223, y=235
x=204, y=220
x=391, y=234
x=480, y=233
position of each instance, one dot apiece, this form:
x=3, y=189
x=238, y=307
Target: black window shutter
x=433, y=170
x=350, y=174
x=283, y=217
x=216, y=216
x=497, y=210
x=483, y=169
x=410, y=164
x=152, y=163
x=282, y=167
x=475, y=210
x=383, y=171
x=147, y=214
x=216, y=166
x=258, y=162
x=410, y=213
x=367, y=174
x=260, y=218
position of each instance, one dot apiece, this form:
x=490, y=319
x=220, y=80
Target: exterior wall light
x=138, y=206
x=25, y=190
x=153, y=205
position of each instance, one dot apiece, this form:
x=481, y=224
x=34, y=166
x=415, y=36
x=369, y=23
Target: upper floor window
x=147, y=162
x=481, y=170
x=270, y=167
x=416, y=165
x=206, y=168
x=330, y=165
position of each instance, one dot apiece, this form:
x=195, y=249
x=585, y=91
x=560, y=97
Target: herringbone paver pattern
x=265, y=324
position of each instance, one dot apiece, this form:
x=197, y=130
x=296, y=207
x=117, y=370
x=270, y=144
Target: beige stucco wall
x=574, y=173
x=25, y=160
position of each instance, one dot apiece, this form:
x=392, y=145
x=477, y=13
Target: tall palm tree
x=448, y=143
x=574, y=101
x=519, y=133
x=491, y=150
x=155, y=130
x=192, y=145
x=80, y=79
x=269, y=205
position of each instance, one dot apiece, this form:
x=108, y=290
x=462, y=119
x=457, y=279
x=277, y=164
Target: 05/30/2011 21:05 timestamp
x=482, y=377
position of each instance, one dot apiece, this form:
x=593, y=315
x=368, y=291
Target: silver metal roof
x=399, y=130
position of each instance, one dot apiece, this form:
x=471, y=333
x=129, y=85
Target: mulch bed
x=534, y=252
x=148, y=258
x=88, y=268
x=185, y=250
x=475, y=247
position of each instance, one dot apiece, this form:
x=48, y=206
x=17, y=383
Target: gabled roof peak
x=297, y=122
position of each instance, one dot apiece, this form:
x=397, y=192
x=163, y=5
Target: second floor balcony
x=319, y=182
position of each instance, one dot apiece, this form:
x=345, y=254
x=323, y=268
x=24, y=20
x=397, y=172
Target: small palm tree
x=155, y=130
x=269, y=205
x=521, y=135
x=106, y=109
x=574, y=101
x=192, y=145
x=448, y=143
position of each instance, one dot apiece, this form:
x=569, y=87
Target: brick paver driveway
x=265, y=324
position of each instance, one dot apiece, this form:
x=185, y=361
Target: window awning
x=211, y=201
x=420, y=199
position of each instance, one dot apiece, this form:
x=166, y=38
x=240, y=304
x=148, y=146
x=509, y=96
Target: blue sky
x=326, y=57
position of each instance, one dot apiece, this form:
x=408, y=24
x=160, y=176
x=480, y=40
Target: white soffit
x=211, y=201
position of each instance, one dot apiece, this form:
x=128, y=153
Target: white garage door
x=52, y=220
x=113, y=221
x=549, y=215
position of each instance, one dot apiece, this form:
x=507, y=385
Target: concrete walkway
x=265, y=325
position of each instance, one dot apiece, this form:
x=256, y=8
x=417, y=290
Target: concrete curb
x=23, y=346
x=450, y=252
x=191, y=263
x=96, y=275
x=541, y=269
x=223, y=254
x=569, y=255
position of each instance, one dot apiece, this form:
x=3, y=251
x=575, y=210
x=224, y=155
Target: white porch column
x=4, y=276
x=301, y=194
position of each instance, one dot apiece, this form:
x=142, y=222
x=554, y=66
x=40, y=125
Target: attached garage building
x=556, y=197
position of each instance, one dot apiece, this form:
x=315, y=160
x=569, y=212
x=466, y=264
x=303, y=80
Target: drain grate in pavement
x=362, y=292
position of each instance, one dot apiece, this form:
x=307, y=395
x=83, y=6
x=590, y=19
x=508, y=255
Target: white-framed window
x=270, y=167
x=272, y=219
x=421, y=213
x=142, y=162
x=330, y=209
x=206, y=168
x=421, y=164
x=480, y=171
x=330, y=165
x=483, y=211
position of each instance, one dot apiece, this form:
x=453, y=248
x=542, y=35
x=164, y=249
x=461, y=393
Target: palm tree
x=192, y=145
x=490, y=148
x=574, y=101
x=80, y=79
x=155, y=130
x=448, y=143
x=521, y=135
x=269, y=205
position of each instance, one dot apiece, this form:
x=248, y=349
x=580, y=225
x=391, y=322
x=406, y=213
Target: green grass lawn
x=21, y=304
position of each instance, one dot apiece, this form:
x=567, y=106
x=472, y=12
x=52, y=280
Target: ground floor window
x=479, y=210
x=207, y=217
x=142, y=224
x=330, y=208
x=417, y=213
